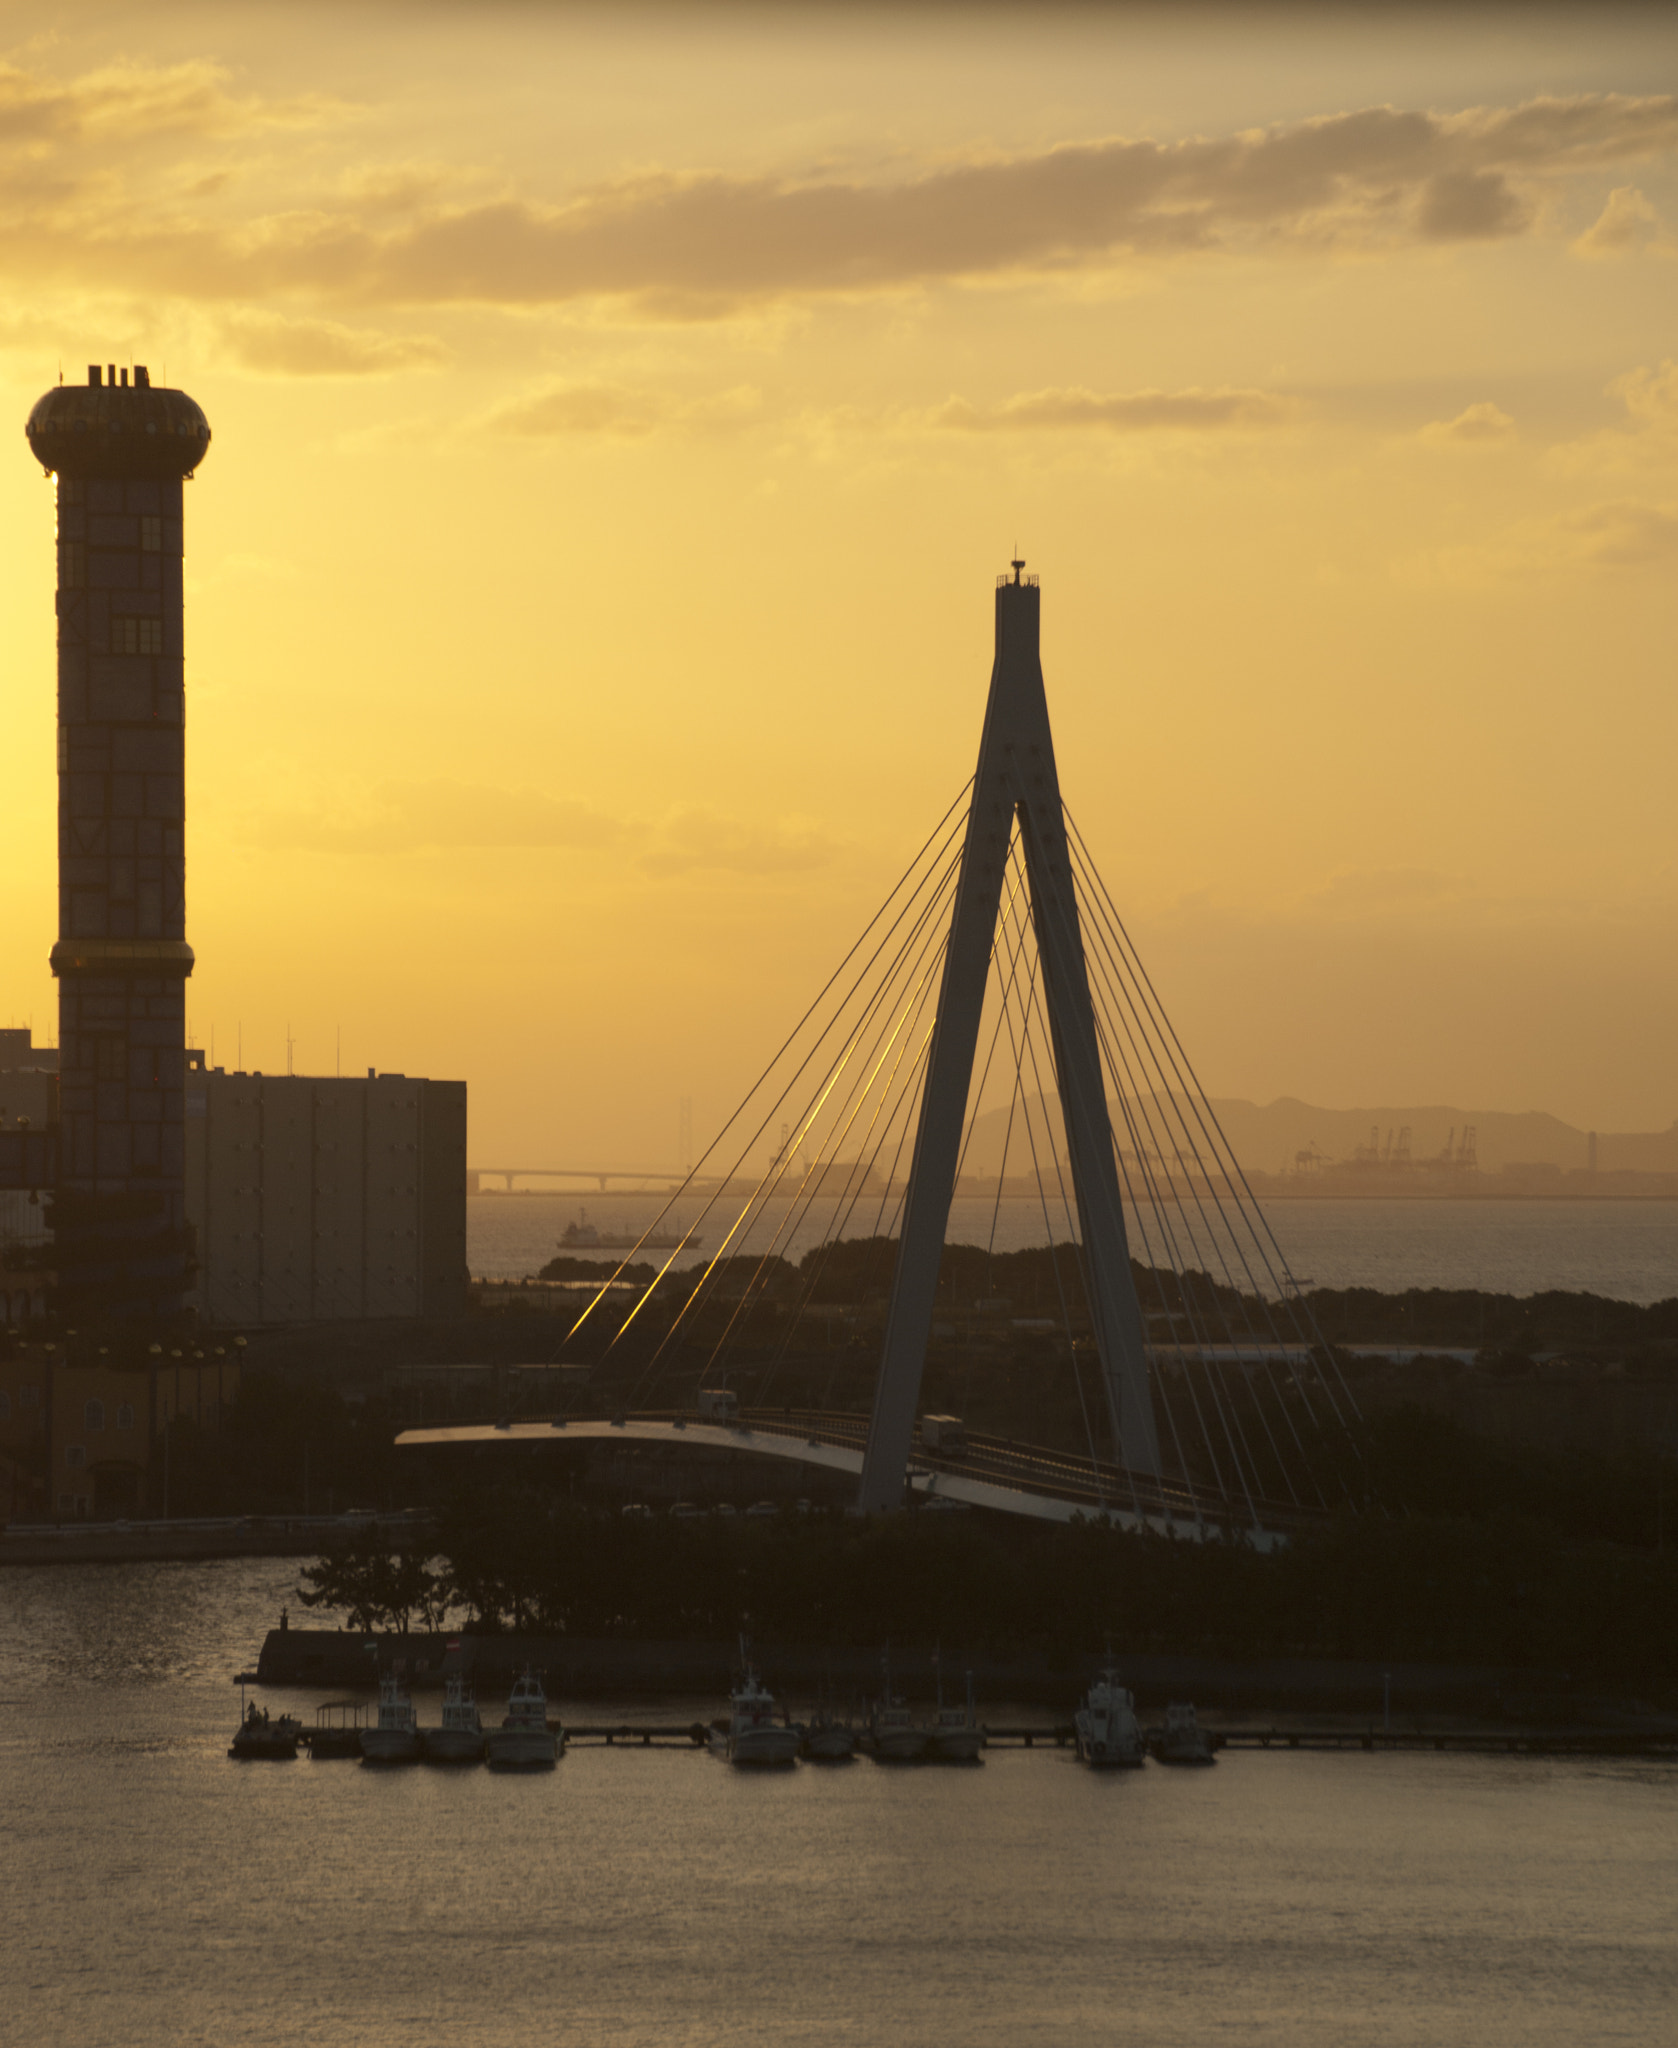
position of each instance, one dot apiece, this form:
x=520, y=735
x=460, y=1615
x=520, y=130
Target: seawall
x=341, y=1659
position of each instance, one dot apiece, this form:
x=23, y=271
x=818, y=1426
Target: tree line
x=1504, y=1562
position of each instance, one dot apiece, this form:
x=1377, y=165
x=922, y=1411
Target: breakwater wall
x=341, y=1659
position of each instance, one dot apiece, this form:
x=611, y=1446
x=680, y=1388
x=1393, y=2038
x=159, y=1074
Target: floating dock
x=1659, y=1745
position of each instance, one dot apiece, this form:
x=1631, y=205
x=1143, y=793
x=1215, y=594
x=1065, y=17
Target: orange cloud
x=691, y=244
x=1475, y=425
x=628, y=411
x=125, y=101
x=275, y=346
x=1627, y=223
x=1117, y=412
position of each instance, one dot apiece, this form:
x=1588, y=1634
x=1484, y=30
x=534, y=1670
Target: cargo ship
x=584, y=1236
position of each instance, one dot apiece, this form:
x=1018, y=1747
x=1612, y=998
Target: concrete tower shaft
x=120, y=453
x=1017, y=785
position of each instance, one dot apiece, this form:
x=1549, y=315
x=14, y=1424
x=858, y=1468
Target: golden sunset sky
x=620, y=417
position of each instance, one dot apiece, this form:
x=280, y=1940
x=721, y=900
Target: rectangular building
x=88, y=1435
x=323, y=1200
x=28, y=1082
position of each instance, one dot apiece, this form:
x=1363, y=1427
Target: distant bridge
x=989, y=1472
x=647, y=1177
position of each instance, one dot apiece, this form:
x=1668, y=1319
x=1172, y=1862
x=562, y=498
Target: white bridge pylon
x=1016, y=784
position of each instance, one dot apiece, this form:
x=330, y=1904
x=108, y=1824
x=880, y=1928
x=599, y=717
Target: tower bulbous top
x=105, y=428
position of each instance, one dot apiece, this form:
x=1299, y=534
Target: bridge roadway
x=648, y=1179
x=990, y=1472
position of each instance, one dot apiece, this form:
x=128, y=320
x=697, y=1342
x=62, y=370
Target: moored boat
x=524, y=1741
x=1182, y=1740
x=827, y=1739
x=258, y=1738
x=894, y=1736
x=955, y=1736
x=394, y=1737
x=1109, y=1736
x=753, y=1735
x=460, y=1739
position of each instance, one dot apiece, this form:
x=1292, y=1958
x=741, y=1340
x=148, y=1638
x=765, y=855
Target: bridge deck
x=1009, y=1478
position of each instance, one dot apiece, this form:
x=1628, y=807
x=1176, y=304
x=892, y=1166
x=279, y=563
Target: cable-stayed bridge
x=987, y=1472
x=997, y=975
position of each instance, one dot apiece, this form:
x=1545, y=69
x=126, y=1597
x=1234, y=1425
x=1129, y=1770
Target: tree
x=372, y=1584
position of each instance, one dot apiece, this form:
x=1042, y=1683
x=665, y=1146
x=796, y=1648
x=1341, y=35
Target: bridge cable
x=780, y=1166
x=950, y=836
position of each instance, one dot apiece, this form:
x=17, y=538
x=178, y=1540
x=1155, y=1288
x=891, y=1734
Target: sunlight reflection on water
x=156, y=1893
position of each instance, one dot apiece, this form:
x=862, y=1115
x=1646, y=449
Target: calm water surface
x=154, y=1892
x=1627, y=1251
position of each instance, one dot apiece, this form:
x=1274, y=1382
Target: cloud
x=701, y=839
x=628, y=411
x=444, y=815
x=1470, y=206
x=1644, y=440
x=275, y=346
x=1116, y=412
x=696, y=243
x=1626, y=534
x=1365, y=892
x=126, y=100
x=1626, y=224
x=400, y=817
x=1650, y=396
x=36, y=334
x=711, y=240
x=1476, y=423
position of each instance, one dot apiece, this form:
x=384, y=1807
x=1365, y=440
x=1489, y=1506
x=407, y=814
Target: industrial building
x=323, y=1199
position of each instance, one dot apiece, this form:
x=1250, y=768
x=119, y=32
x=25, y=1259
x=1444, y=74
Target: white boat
x=394, y=1739
x=524, y=1741
x=894, y=1735
x=1108, y=1733
x=955, y=1736
x=753, y=1735
x=460, y=1740
x=1182, y=1740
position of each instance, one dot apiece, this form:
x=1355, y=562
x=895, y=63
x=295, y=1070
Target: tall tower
x=120, y=451
x=1017, y=783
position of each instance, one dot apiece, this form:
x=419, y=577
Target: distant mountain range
x=1275, y=1137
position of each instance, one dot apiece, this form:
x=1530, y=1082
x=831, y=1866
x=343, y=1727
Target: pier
x=1648, y=1743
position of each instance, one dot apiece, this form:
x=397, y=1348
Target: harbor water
x=157, y=1895
x=1626, y=1251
